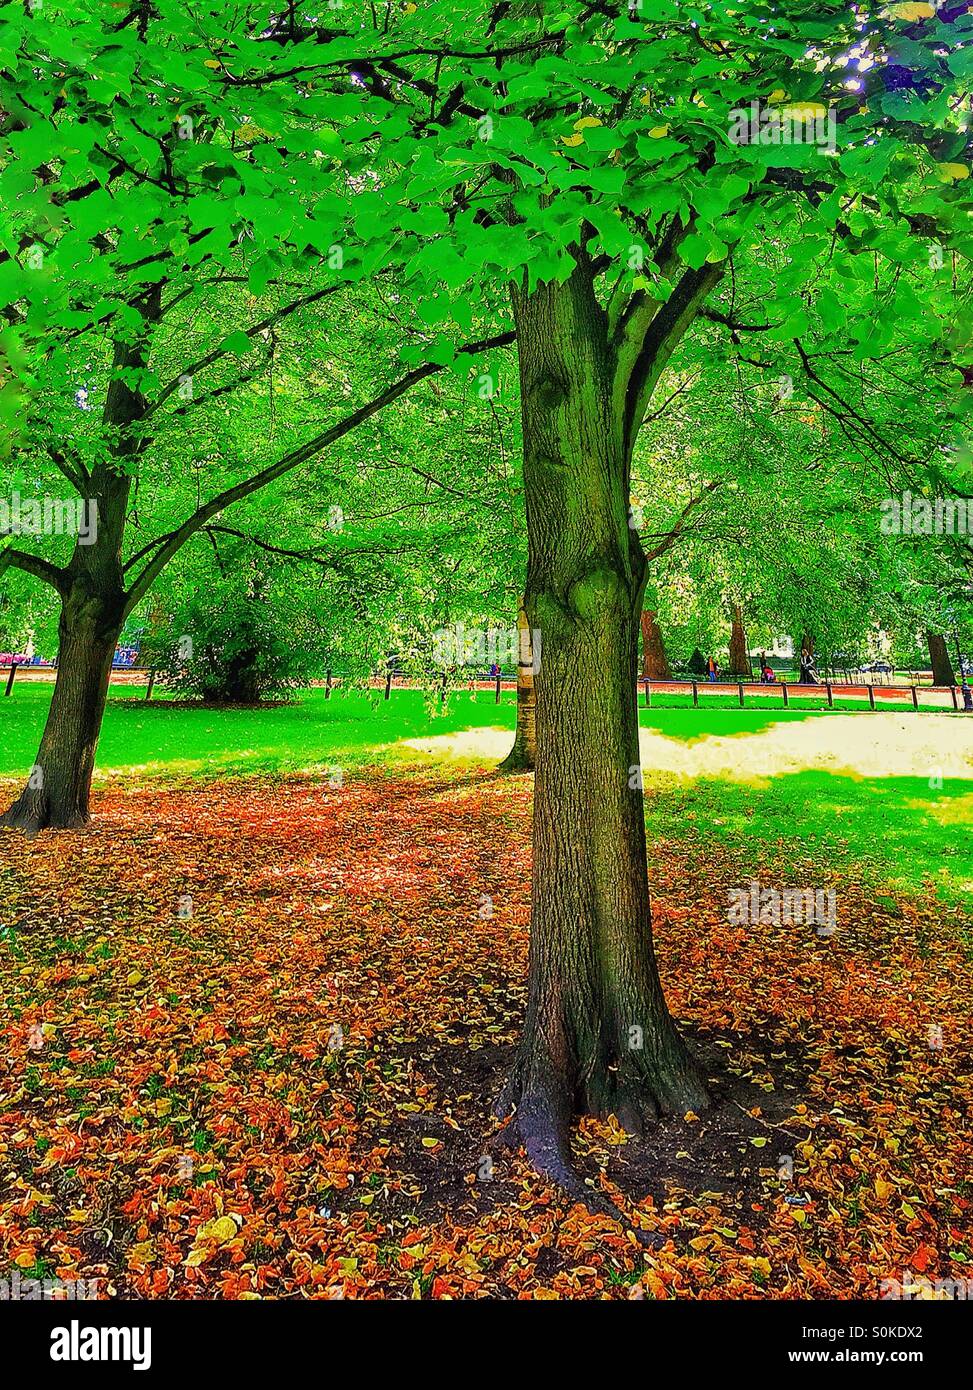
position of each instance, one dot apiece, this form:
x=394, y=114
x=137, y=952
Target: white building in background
x=782, y=648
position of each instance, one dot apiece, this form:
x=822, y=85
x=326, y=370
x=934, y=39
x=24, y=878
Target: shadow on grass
x=900, y=830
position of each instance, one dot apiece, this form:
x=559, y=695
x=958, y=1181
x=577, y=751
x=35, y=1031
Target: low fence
x=143, y=676
x=934, y=697
x=753, y=693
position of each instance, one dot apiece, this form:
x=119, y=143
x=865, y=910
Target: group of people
x=767, y=674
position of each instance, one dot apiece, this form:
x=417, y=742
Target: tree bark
x=739, y=663
x=58, y=787
x=93, y=609
x=598, y=1036
x=523, y=756
x=655, y=663
x=942, y=667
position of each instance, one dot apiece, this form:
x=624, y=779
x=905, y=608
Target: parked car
x=14, y=659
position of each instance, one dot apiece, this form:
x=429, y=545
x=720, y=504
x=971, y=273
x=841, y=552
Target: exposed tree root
x=32, y=812
x=541, y=1125
x=516, y=761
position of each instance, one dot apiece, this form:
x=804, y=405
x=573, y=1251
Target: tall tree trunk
x=93, y=609
x=598, y=1036
x=739, y=664
x=58, y=786
x=655, y=663
x=942, y=667
x=523, y=756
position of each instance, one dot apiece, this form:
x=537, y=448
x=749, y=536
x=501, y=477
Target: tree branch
x=169, y=545
x=674, y=535
x=32, y=564
x=263, y=326
x=636, y=380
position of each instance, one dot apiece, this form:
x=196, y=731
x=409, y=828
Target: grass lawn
x=745, y=778
x=286, y=1091
x=161, y=737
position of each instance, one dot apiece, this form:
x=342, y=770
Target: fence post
x=952, y=691
x=498, y=687
x=327, y=687
x=148, y=688
x=388, y=684
x=783, y=691
x=13, y=672
x=827, y=686
x=695, y=693
x=915, y=698
x=740, y=688
x=871, y=696
x=648, y=694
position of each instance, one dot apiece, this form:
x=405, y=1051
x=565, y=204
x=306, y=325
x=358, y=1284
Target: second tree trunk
x=942, y=667
x=655, y=663
x=58, y=785
x=523, y=756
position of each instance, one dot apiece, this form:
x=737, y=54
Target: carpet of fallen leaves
x=252, y=1033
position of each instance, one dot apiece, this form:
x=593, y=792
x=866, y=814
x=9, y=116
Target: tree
x=791, y=488
x=593, y=167
x=739, y=663
x=236, y=629
x=942, y=667
x=136, y=203
x=655, y=663
x=523, y=755
x=98, y=586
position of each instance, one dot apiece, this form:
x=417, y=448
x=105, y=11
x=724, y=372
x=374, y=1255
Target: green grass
x=162, y=739
x=897, y=829
x=159, y=738
x=891, y=831
x=690, y=725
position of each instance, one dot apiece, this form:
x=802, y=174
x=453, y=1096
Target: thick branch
x=637, y=379
x=32, y=564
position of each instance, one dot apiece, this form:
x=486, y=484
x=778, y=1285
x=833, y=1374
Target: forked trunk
x=523, y=756
x=942, y=667
x=655, y=663
x=59, y=784
x=598, y=1037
